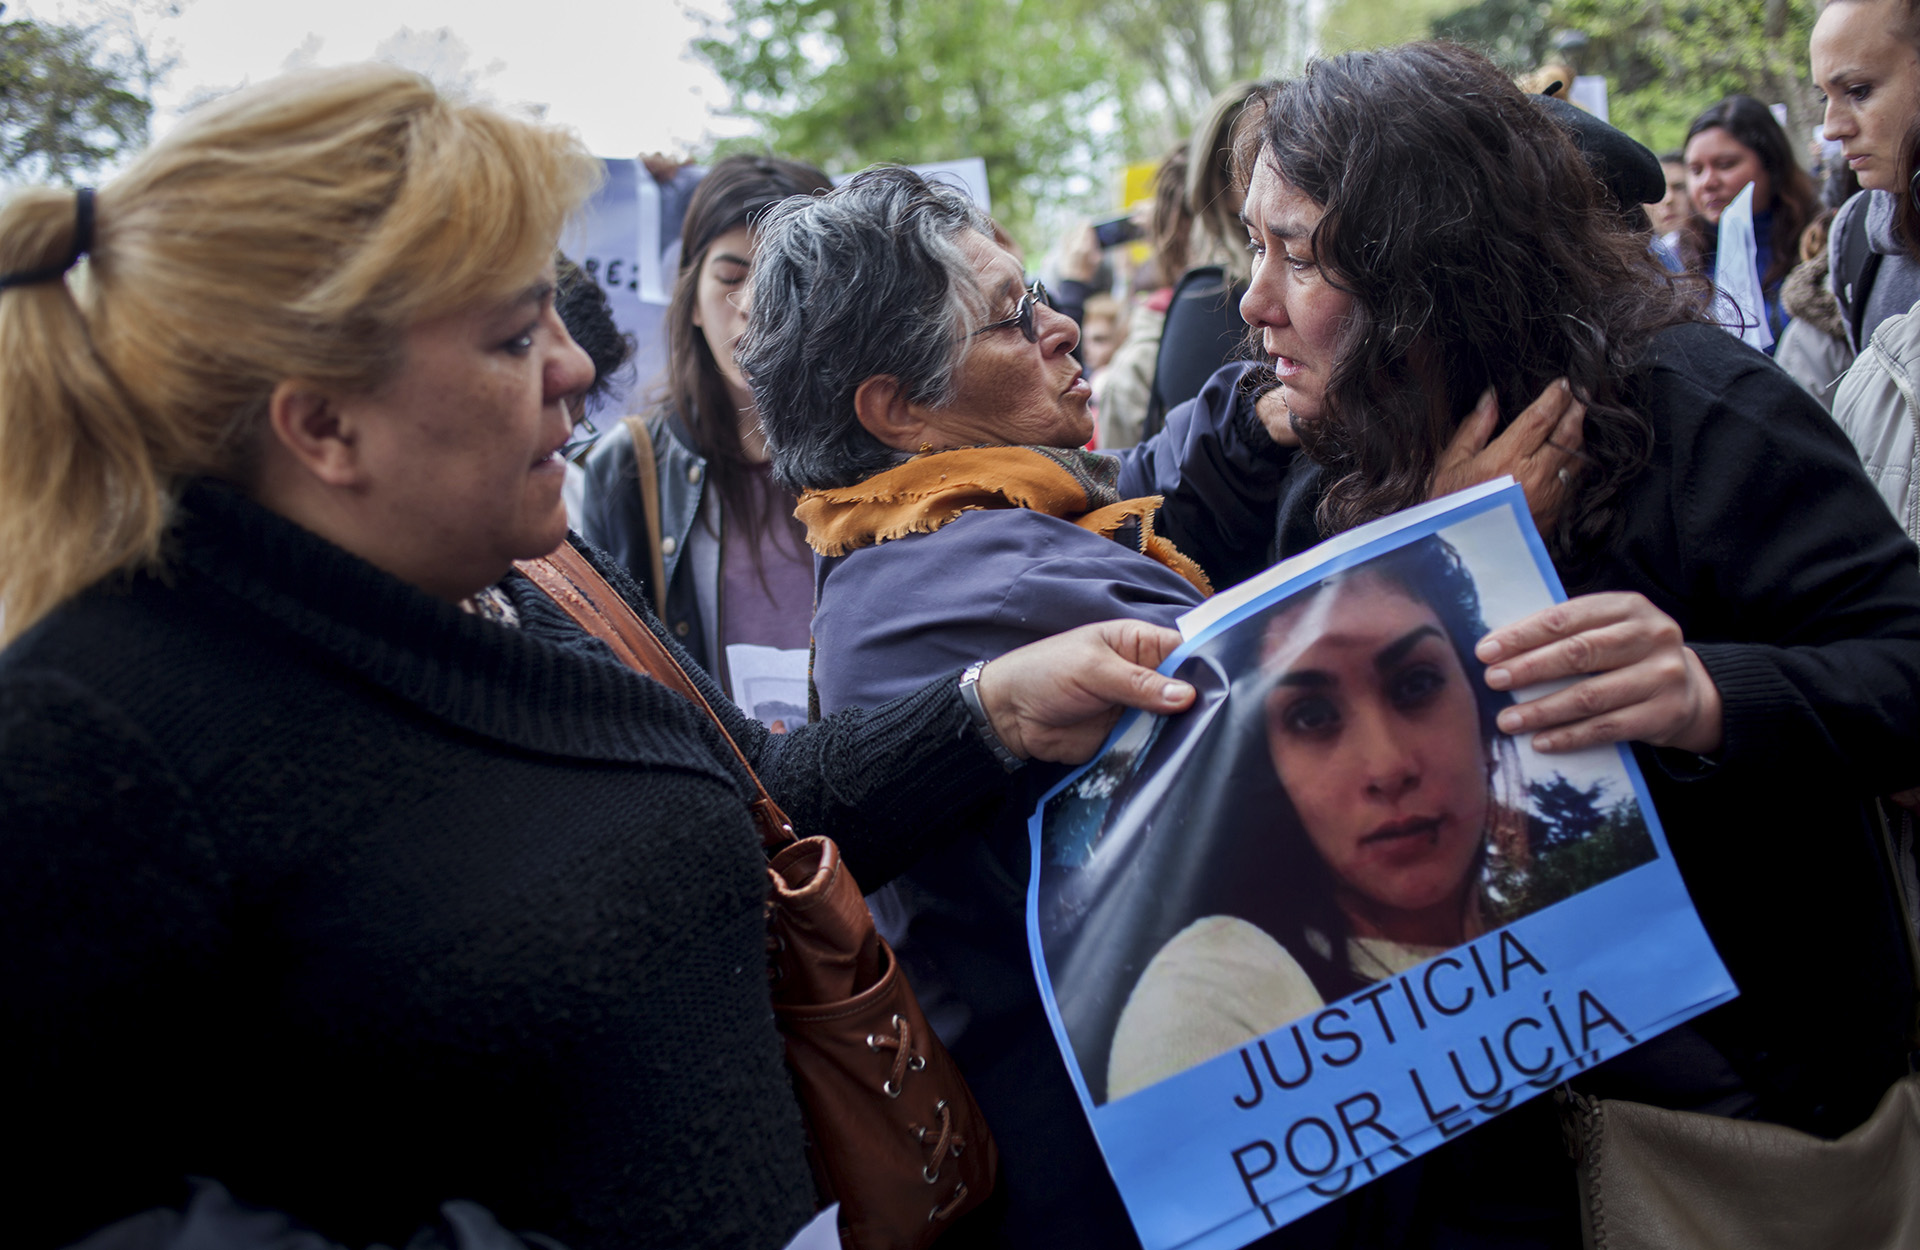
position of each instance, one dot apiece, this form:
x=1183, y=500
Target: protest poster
x=1331, y=917
x=627, y=239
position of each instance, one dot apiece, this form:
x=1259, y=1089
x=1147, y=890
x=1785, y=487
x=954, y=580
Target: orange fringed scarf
x=934, y=488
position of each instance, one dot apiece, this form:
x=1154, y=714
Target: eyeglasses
x=1023, y=313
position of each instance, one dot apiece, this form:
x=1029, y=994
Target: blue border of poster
x=1221, y=1153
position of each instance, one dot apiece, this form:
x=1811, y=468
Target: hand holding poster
x=1332, y=917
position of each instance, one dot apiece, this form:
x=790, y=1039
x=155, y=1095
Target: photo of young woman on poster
x=1382, y=736
x=1351, y=811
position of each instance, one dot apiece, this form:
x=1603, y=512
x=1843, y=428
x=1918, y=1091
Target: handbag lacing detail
x=945, y=1142
x=905, y=1060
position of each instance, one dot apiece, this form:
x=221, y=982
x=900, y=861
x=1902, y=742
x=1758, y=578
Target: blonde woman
x=338, y=865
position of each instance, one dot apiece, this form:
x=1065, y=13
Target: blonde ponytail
x=293, y=230
x=79, y=496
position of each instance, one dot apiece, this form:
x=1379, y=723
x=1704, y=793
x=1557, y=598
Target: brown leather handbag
x=894, y=1135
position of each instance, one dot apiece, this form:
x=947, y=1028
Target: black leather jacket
x=614, y=519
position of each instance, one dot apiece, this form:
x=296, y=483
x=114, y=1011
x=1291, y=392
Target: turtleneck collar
x=544, y=686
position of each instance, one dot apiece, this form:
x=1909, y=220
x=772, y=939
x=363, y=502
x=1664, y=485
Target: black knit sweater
x=317, y=885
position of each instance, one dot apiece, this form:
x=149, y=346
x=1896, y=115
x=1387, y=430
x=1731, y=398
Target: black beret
x=1626, y=166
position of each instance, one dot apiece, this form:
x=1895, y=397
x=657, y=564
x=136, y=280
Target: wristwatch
x=977, y=713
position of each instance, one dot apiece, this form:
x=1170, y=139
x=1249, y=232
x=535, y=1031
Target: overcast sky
x=620, y=72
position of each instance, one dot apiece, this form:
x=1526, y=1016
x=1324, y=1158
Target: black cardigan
x=317, y=885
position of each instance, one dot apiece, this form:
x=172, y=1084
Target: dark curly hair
x=1481, y=250
x=583, y=308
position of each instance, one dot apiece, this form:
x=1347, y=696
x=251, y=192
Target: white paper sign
x=1741, y=306
x=1589, y=91
x=769, y=684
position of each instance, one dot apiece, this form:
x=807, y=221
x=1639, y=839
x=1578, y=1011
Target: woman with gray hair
x=926, y=403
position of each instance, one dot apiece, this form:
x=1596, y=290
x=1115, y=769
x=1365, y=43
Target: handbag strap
x=647, y=469
x=567, y=579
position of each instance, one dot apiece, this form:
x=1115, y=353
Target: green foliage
x=1667, y=61
x=1664, y=62
x=1052, y=94
x=845, y=83
x=1563, y=812
x=1191, y=50
x=1577, y=841
x=66, y=108
x=1351, y=24
x=1618, y=842
x=1514, y=33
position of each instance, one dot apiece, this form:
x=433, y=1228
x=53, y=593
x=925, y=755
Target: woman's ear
x=309, y=428
x=884, y=412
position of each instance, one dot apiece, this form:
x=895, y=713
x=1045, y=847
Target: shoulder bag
x=894, y=1135
x=1651, y=1178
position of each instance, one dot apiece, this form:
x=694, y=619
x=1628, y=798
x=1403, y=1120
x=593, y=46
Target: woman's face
x=1299, y=314
x=720, y=303
x=460, y=446
x=1376, y=736
x=1871, y=77
x=1672, y=211
x=1719, y=166
x=1010, y=392
x=1099, y=336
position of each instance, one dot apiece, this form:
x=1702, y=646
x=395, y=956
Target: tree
x=1050, y=93
x=1191, y=50
x=1670, y=59
x=1563, y=812
x=1576, y=839
x=67, y=107
x=845, y=83
x=1514, y=33
x=1664, y=61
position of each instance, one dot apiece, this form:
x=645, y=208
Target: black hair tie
x=82, y=244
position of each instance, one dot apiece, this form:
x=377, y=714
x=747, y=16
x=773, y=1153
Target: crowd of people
x=354, y=893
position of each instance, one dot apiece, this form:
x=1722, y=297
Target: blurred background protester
x=1671, y=213
x=685, y=499
x=1877, y=403
x=1102, y=330
x=1124, y=391
x=1813, y=346
x=1735, y=143
x=1079, y=269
